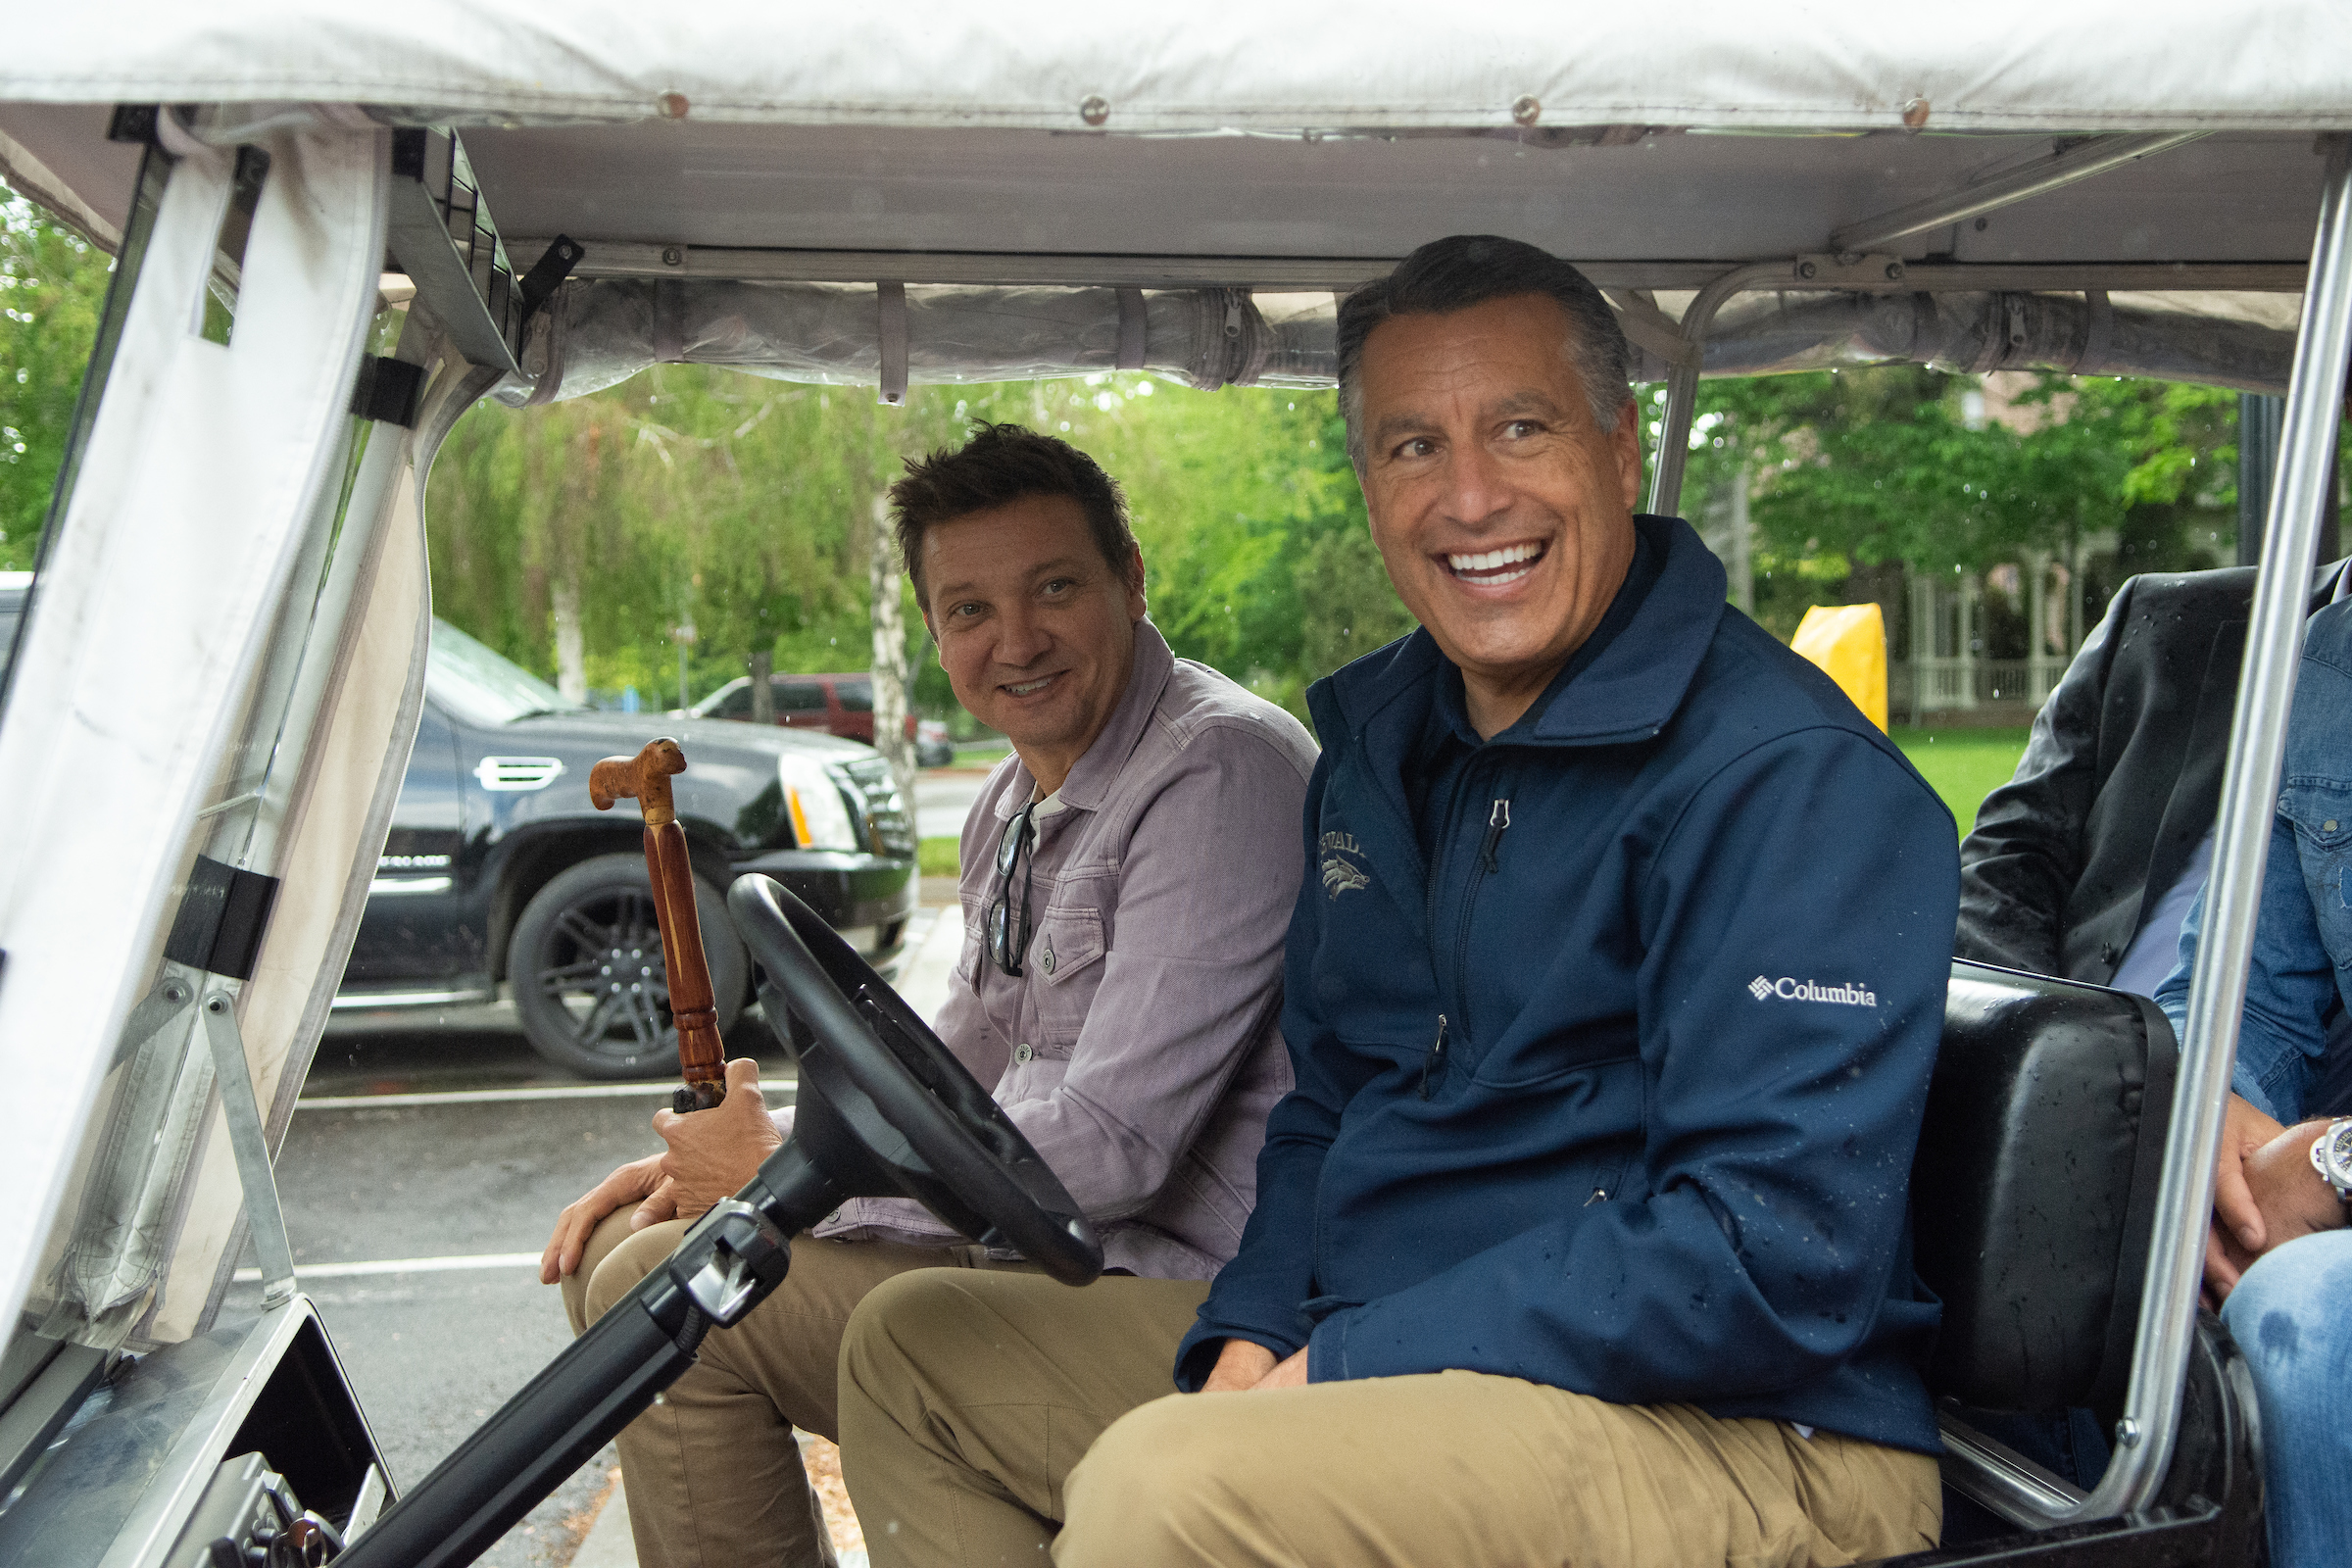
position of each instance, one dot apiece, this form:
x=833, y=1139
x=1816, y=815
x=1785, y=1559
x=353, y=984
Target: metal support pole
x=1681, y=383
x=2168, y=1307
x=263, y=1217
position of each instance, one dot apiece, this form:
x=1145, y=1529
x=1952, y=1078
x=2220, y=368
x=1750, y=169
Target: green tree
x=1231, y=493
x=1859, y=468
x=52, y=289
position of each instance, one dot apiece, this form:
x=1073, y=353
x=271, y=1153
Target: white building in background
x=1948, y=670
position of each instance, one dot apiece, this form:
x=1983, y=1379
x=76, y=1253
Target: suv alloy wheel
x=585, y=963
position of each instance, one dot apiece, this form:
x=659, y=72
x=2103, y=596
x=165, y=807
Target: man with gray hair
x=1584, y=1235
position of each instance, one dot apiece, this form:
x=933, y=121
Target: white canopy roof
x=1227, y=65
x=1297, y=147
x=1300, y=146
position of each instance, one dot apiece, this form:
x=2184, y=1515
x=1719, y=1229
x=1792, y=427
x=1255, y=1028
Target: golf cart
x=212, y=696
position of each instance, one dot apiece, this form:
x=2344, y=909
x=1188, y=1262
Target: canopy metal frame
x=1339, y=273
x=1847, y=265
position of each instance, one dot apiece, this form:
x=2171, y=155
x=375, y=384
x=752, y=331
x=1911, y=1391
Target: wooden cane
x=645, y=779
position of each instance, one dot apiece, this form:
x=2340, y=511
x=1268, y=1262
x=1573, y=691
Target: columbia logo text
x=1852, y=995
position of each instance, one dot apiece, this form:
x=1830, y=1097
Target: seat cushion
x=2035, y=1188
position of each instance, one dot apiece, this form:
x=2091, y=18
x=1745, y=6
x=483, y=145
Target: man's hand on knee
x=634, y=1183
x=713, y=1153
x=1245, y=1365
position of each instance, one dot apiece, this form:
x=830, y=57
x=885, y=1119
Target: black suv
x=497, y=867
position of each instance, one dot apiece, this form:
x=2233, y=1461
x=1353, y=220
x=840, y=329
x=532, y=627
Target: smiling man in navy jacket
x=1584, y=1236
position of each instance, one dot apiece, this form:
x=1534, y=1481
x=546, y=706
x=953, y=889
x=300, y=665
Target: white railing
x=1949, y=684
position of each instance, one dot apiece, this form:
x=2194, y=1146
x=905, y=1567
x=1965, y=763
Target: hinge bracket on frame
x=1847, y=270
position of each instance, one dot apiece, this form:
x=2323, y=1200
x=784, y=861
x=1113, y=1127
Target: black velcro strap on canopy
x=222, y=919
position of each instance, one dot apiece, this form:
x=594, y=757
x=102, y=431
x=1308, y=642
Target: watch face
x=2336, y=1154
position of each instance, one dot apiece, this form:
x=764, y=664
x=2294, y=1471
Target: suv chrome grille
x=889, y=824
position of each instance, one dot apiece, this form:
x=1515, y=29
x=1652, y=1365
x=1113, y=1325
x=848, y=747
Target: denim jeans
x=2290, y=1317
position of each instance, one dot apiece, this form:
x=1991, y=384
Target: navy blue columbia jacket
x=1618, y=1091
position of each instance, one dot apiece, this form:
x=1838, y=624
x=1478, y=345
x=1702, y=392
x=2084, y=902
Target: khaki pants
x=712, y=1471
x=991, y=1419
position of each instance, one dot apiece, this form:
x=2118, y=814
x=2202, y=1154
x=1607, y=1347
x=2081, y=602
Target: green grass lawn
x=1963, y=764
x=940, y=856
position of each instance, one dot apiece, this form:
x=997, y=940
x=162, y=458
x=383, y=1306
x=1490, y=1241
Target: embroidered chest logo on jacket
x=1342, y=872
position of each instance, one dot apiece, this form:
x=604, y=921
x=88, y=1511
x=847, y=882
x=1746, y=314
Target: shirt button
x=1023, y=1053
x=1049, y=953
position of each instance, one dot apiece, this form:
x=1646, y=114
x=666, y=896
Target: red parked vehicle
x=838, y=704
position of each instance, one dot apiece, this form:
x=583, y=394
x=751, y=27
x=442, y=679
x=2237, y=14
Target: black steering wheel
x=885, y=1109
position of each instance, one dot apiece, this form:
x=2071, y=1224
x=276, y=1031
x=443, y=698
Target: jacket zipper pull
x=1497, y=820
x=1434, y=1061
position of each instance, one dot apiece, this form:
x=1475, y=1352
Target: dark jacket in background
x=2119, y=783
x=1689, y=928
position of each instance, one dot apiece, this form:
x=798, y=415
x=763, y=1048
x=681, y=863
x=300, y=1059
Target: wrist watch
x=2332, y=1157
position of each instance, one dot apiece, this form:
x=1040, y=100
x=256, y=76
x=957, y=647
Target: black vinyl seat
x=2033, y=1192
x=2033, y=1201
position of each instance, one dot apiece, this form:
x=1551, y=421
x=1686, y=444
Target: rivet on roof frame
x=672, y=105
x=1915, y=113
x=1525, y=109
x=1095, y=110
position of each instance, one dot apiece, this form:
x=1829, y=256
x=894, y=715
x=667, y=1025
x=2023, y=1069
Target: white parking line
x=777, y=1093
x=399, y=1265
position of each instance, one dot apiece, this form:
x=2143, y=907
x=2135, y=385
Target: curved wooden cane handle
x=645, y=779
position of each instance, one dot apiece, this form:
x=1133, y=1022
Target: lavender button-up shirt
x=1138, y=1051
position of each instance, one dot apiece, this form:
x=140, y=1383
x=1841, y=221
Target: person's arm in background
x=2020, y=862
x=2290, y=987
x=1205, y=895
x=2290, y=974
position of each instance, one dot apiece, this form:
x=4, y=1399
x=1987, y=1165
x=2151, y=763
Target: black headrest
x=2034, y=1189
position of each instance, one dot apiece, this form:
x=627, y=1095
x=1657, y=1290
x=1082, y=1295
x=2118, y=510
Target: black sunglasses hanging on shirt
x=1009, y=930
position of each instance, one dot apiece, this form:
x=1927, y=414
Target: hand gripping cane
x=645, y=779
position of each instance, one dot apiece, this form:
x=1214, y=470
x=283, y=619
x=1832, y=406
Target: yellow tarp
x=1849, y=641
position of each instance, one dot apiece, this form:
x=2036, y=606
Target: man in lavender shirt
x=1128, y=876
